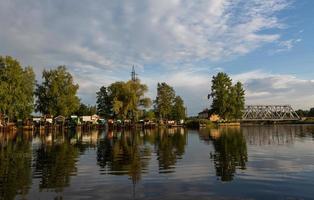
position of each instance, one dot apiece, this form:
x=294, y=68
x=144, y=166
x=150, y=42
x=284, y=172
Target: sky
x=268, y=45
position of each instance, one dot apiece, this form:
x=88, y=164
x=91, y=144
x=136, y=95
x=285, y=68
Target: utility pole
x=133, y=74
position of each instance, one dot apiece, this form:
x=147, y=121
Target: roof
x=204, y=111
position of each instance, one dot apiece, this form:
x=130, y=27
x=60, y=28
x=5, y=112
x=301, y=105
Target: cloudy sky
x=266, y=44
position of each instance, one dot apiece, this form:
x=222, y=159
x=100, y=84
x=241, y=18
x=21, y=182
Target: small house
x=75, y=120
x=204, y=114
x=2, y=119
x=37, y=120
x=110, y=122
x=48, y=119
x=60, y=119
x=127, y=121
x=214, y=118
x=95, y=118
x=86, y=119
x=171, y=122
x=102, y=121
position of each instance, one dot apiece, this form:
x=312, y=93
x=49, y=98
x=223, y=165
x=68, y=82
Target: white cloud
x=99, y=40
x=267, y=88
x=110, y=34
x=287, y=45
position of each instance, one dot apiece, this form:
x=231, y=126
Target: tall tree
x=164, y=100
x=149, y=114
x=138, y=100
x=16, y=88
x=57, y=93
x=220, y=91
x=239, y=102
x=228, y=100
x=178, y=109
x=86, y=110
x=104, y=103
x=123, y=99
x=311, y=113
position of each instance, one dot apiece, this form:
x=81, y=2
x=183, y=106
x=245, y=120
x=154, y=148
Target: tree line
x=21, y=94
x=126, y=100
x=305, y=113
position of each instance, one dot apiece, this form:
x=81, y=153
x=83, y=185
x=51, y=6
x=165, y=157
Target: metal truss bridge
x=269, y=113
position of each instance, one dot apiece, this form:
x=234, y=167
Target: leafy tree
x=104, y=103
x=220, y=91
x=136, y=99
x=237, y=101
x=164, y=100
x=86, y=110
x=57, y=93
x=302, y=113
x=123, y=99
x=228, y=100
x=16, y=88
x=311, y=113
x=178, y=109
x=150, y=115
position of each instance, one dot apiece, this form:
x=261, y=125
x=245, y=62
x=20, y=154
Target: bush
x=197, y=123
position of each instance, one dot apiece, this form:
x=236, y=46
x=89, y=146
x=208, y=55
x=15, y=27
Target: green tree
x=178, y=109
x=239, y=100
x=86, y=110
x=128, y=98
x=57, y=93
x=150, y=115
x=104, y=103
x=310, y=113
x=164, y=100
x=220, y=92
x=227, y=100
x=302, y=113
x=16, y=88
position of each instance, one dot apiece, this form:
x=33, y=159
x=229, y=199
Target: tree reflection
x=56, y=162
x=170, y=147
x=230, y=152
x=124, y=153
x=121, y=153
x=15, y=166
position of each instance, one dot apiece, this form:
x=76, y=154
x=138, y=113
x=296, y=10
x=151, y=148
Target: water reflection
x=170, y=144
x=123, y=153
x=54, y=164
x=15, y=165
x=32, y=163
x=129, y=153
x=230, y=151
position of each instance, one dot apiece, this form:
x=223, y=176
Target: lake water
x=254, y=162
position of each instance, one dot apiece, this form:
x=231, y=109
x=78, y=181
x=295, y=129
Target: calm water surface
x=257, y=162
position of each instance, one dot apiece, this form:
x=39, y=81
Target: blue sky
x=266, y=44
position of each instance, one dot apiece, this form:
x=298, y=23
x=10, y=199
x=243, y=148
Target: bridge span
x=269, y=113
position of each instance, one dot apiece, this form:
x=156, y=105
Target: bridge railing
x=269, y=113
